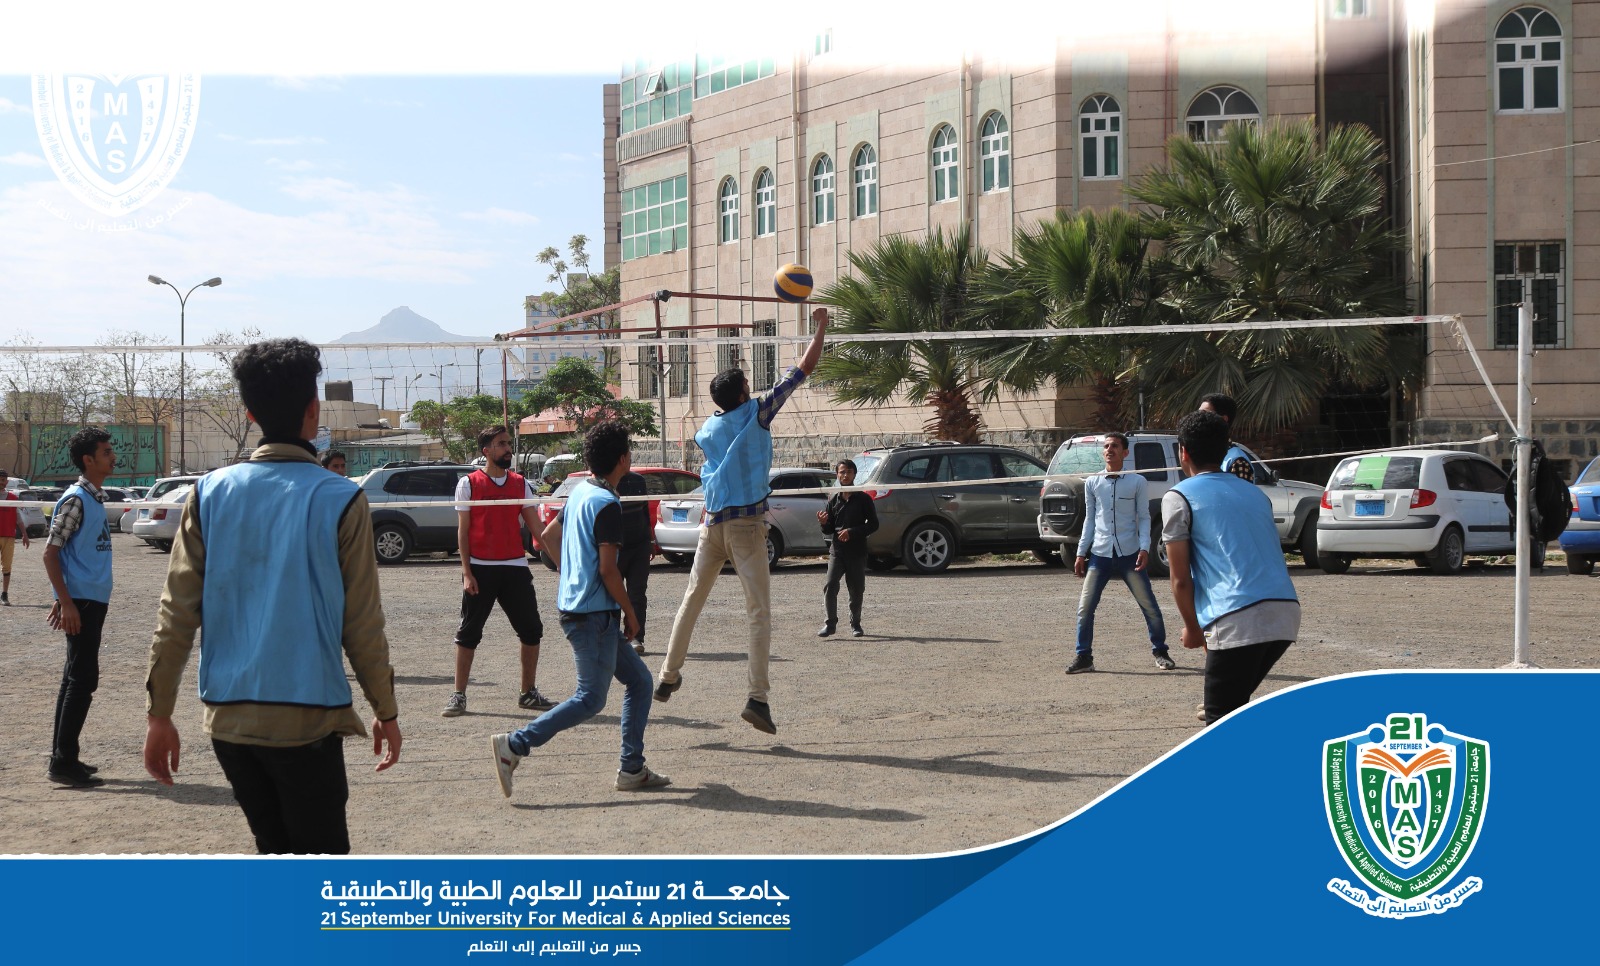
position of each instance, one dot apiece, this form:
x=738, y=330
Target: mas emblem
x=115, y=140
x=1405, y=801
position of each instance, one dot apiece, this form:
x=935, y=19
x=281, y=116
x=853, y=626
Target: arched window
x=1218, y=107
x=728, y=209
x=1100, y=137
x=864, y=171
x=766, y=203
x=822, y=191
x=1527, y=61
x=994, y=147
x=946, y=169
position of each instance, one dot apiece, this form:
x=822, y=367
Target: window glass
x=865, y=465
x=1078, y=456
x=659, y=217
x=1018, y=466
x=1215, y=109
x=1151, y=454
x=865, y=174
x=1487, y=477
x=1590, y=475
x=1377, y=473
x=995, y=151
x=915, y=469
x=967, y=466
x=1528, y=77
x=1457, y=476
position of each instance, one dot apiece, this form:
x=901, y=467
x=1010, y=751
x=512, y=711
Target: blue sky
x=322, y=203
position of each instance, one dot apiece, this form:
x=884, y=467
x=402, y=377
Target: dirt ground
x=951, y=725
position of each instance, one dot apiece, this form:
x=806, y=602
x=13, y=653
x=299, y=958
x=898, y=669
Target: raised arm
x=814, y=351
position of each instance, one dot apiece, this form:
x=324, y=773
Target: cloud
x=12, y=107
x=23, y=159
x=292, y=166
x=502, y=216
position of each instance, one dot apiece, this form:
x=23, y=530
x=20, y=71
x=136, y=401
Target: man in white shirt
x=1115, y=542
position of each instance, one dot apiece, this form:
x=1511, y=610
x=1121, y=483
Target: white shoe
x=506, y=761
x=632, y=781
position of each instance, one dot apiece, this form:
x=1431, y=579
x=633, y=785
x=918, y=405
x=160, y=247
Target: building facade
x=719, y=171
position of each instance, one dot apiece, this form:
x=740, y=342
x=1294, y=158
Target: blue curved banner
x=1396, y=811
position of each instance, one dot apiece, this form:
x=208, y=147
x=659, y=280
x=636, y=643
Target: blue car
x=1581, y=540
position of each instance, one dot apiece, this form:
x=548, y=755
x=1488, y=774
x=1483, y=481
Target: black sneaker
x=5, y=599
x=532, y=700
x=856, y=631
x=75, y=777
x=1165, y=662
x=827, y=631
x=759, y=715
x=1081, y=663
x=665, y=688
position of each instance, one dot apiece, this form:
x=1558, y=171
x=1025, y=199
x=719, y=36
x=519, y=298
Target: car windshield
x=1078, y=456
x=865, y=465
x=569, y=484
x=1377, y=473
x=1590, y=475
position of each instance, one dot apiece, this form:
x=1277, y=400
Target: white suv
x=1154, y=456
x=1434, y=506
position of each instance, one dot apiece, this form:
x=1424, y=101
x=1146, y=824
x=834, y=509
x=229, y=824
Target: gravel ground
x=951, y=725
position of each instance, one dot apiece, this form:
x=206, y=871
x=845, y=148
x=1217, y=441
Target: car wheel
x=1049, y=558
x=1158, y=566
x=774, y=548
x=1448, y=555
x=1334, y=563
x=1536, y=558
x=392, y=543
x=165, y=546
x=675, y=558
x=1308, y=543
x=928, y=547
x=1579, y=564
x=881, y=563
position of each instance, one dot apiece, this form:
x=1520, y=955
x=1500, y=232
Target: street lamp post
x=183, y=376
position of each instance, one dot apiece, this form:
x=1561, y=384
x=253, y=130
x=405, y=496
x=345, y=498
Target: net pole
x=1524, y=443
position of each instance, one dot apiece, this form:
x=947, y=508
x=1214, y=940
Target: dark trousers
x=293, y=798
x=79, y=679
x=1234, y=673
x=634, y=562
x=853, y=568
x=512, y=589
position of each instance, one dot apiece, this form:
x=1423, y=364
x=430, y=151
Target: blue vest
x=86, y=558
x=738, y=458
x=580, y=590
x=1234, y=554
x=272, y=611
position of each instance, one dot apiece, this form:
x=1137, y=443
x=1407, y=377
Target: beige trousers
x=744, y=542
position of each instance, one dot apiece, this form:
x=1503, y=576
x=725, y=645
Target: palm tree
x=1270, y=224
x=1077, y=270
x=909, y=286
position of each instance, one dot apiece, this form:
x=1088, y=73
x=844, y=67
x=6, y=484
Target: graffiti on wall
x=140, y=453
x=361, y=460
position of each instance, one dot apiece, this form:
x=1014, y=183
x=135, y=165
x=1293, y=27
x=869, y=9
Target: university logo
x=115, y=140
x=1405, y=801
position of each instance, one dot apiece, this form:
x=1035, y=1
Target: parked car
x=1581, y=540
x=157, y=493
x=792, y=528
x=1155, y=457
x=1433, y=506
x=400, y=531
x=561, y=466
x=158, y=526
x=116, y=499
x=123, y=522
x=663, y=481
x=32, y=518
x=929, y=528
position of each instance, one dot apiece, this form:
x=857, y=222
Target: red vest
x=8, y=516
x=495, y=532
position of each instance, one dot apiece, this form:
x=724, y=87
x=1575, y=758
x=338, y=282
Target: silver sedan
x=158, y=525
x=792, y=528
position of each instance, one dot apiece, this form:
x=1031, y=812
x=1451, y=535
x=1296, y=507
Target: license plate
x=1369, y=508
x=680, y=514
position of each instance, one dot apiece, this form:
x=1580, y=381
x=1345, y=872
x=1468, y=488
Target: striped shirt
x=767, y=406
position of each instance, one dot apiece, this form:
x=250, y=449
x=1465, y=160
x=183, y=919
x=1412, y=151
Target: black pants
x=293, y=798
x=853, y=568
x=79, y=679
x=634, y=562
x=1234, y=673
x=512, y=589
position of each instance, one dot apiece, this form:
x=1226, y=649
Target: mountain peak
x=403, y=325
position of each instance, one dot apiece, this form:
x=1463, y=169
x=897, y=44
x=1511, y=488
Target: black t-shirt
x=635, y=515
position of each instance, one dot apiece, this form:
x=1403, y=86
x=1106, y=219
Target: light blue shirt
x=1116, y=515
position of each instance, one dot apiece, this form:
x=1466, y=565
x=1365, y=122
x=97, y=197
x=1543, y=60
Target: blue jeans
x=600, y=653
x=1101, y=570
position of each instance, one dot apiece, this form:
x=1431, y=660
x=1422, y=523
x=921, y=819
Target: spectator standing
x=11, y=530
x=1236, y=460
x=638, y=548
x=847, y=521
x=334, y=460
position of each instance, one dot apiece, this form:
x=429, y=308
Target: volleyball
x=792, y=283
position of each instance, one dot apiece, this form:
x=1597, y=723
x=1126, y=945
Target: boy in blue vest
x=78, y=562
x=597, y=617
x=1229, y=580
x=273, y=564
x=737, y=442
